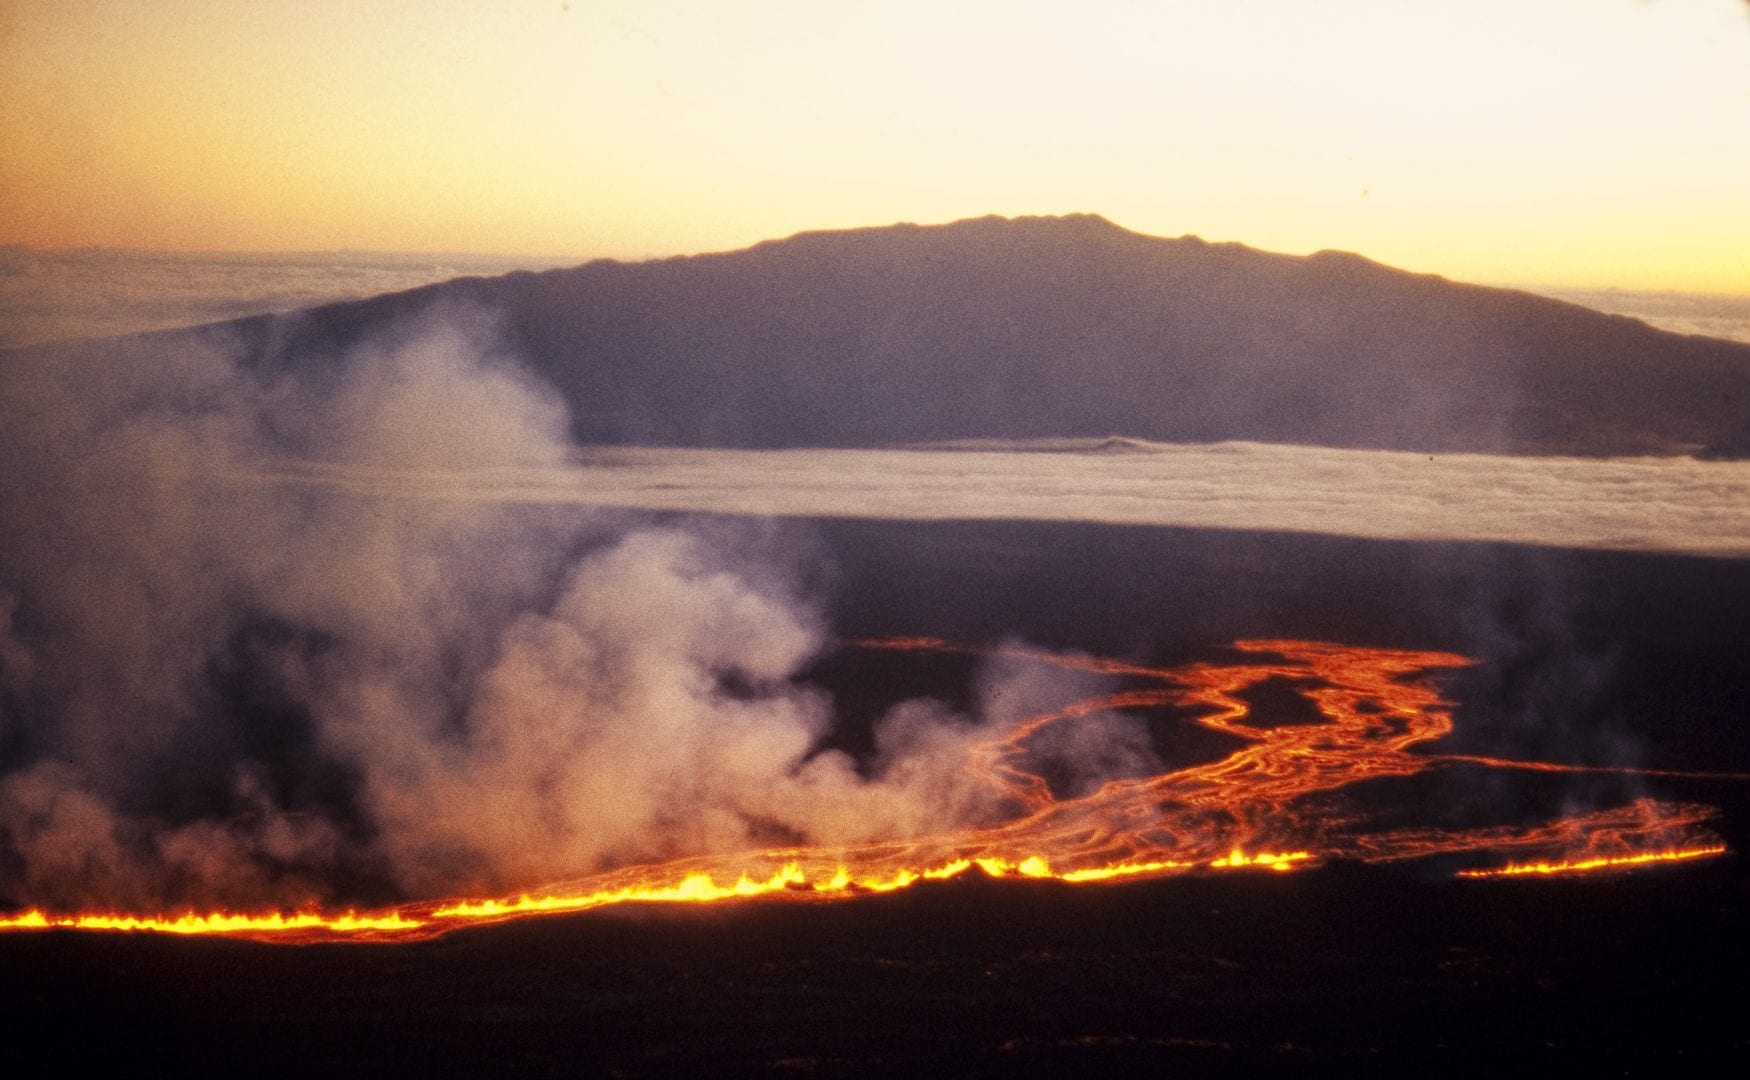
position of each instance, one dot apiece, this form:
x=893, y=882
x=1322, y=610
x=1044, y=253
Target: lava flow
x=1276, y=803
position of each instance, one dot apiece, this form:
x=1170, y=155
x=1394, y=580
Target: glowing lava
x=1274, y=803
x=271, y=924
x=1598, y=862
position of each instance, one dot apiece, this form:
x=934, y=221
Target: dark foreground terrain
x=1339, y=971
x=1584, y=657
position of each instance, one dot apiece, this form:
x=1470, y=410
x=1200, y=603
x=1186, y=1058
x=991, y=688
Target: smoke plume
x=218, y=691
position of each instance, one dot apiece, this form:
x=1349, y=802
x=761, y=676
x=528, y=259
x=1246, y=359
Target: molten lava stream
x=1252, y=809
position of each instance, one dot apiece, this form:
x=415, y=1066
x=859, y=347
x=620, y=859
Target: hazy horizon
x=51, y=294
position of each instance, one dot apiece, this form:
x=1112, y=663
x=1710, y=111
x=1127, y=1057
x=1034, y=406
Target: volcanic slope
x=1062, y=327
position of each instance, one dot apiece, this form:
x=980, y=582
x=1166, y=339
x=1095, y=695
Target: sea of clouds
x=1709, y=315
x=58, y=295
x=1676, y=505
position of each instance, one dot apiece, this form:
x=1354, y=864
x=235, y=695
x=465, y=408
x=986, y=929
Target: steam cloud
x=267, y=693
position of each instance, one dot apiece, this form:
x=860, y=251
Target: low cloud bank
x=1677, y=505
x=60, y=295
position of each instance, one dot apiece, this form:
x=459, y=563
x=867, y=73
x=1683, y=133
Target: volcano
x=1062, y=327
x=303, y=641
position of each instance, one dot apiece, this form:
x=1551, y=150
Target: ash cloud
x=213, y=692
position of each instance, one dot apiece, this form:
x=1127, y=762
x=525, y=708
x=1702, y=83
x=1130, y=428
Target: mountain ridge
x=1068, y=326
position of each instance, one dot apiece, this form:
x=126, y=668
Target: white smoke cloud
x=600, y=731
x=236, y=693
x=1075, y=757
x=70, y=847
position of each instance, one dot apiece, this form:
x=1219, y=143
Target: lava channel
x=1273, y=804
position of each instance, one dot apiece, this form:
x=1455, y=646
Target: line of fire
x=1274, y=804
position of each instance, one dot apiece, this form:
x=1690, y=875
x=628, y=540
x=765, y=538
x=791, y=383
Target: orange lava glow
x=1275, y=803
x=238, y=925
x=1598, y=862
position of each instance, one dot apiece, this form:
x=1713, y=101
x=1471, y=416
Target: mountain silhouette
x=1069, y=327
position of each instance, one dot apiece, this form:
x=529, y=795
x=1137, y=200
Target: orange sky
x=1584, y=142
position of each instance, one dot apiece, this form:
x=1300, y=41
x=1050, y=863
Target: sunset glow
x=1574, y=142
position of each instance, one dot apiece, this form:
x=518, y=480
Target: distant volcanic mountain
x=1071, y=326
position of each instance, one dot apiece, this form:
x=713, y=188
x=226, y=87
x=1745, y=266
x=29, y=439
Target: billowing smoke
x=221, y=691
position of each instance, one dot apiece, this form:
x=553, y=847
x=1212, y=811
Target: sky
x=1592, y=143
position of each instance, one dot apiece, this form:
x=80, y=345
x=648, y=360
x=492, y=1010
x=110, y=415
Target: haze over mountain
x=1063, y=327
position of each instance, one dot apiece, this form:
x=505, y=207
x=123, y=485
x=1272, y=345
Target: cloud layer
x=57, y=295
x=1632, y=504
